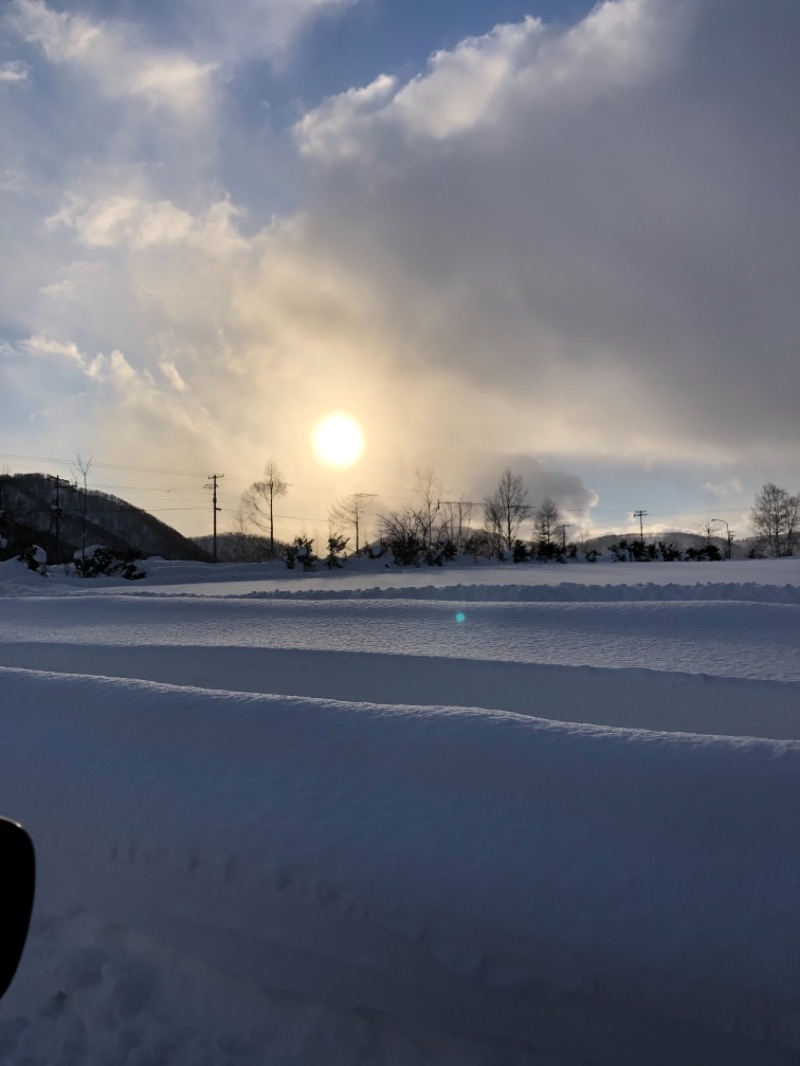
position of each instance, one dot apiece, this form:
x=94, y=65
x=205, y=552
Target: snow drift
x=600, y=894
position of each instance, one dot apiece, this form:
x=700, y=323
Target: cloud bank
x=560, y=244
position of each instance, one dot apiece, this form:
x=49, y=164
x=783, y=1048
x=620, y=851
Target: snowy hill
x=61, y=519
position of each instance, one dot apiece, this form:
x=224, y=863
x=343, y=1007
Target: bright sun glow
x=338, y=440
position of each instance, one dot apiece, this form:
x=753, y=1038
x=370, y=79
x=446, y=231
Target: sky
x=555, y=236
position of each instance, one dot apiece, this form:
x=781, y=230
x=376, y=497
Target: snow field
x=733, y=639
x=414, y=866
x=668, y=701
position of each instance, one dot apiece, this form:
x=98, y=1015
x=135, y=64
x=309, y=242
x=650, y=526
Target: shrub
x=336, y=548
x=35, y=557
x=520, y=552
x=109, y=562
x=301, y=550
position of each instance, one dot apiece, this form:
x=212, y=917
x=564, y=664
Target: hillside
x=239, y=547
x=29, y=514
x=680, y=539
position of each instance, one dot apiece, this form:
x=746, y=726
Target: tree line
x=428, y=529
x=432, y=529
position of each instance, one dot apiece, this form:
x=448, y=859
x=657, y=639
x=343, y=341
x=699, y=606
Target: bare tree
x=775, y=517
x=551, y=534
x=82, y=467
x=239, y=536
x=350, y=513
x=428, y=490
x=337, y=544
x=402, y=533
x=258, y=502
x=429, y=529
x=506, y=509
x=456, y=521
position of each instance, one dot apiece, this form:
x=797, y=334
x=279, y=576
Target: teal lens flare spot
x=461, y=618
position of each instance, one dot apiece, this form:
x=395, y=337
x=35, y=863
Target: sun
x=338, y=440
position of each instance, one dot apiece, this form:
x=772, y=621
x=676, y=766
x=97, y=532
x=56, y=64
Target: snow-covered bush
x=35, y=557
x=336, y=548
x=301, y=550
x=520, y=553
x=97, y=561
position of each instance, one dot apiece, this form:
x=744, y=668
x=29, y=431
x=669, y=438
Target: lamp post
x=730, y=535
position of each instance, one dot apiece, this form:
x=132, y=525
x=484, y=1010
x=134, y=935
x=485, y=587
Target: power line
x=666, y=514
x=142, y=488
x=291, y=517
x=106, y=510
x=105, y=466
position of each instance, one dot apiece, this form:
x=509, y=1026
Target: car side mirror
x=17, y=879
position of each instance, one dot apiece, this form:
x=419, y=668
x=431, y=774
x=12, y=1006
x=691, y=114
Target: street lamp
x=730, y=535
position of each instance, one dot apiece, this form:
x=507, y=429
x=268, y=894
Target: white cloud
x=252, y=28
x=14, y=72
x=176, y=79
x=12, y=179
x=38, y=345
x=172, y=374
x=730, y=487
x=116, y=369
x=60, y=290
x=333, y=130
x=460, y=87
x=61, y=36
x=138, y=224
x=618, y=46
x=114, y=55
x=124, y=219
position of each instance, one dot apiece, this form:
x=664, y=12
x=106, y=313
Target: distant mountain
x=240, y=547
x=677, y=538
x=28, y=514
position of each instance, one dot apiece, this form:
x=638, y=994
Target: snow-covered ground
x=508, y=815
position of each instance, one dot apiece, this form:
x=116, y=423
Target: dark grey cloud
x=630, y=229
x=541, y=478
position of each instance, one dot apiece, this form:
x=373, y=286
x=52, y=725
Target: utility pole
x=564, y=527
x=214, y=478
x=730, y=533
x=640, y=515
x=360, y=499
x=83, y=467
x=57, y=513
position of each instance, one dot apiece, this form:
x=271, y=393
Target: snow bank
x=631, y=698
x=751, y=640
x=620, y=896
x=564, y=592
x=363, y=575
